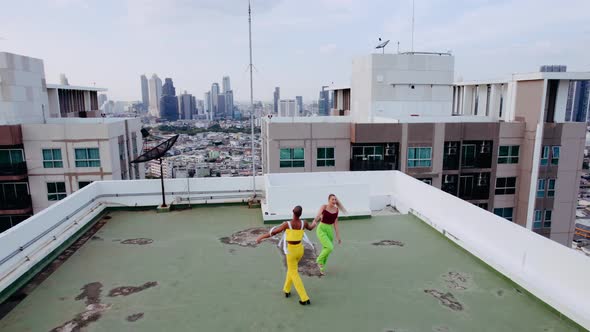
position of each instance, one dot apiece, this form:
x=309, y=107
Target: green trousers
x=325, y=234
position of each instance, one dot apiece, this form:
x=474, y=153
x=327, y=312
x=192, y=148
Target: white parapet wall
x=554, y=273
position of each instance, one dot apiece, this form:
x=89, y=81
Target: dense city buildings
x=287, y=108
x=276, y=98
x=155, y=91
x=145, y=94
x=169, y=101
x=324, y=102
x=299, y=100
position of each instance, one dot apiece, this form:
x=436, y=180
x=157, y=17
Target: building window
x=7, y=222
x=540, y=188
x=508, y=154
x=13, y=195
x=505, y=213
x=82, y=184
x=545, y=156
x=367, y=152
x=547, y=220
x=506, y=186
x=555, y=155
x=425, y=180
x=482, y=205
x=52, y=158
x=292, y=157
x=56, y=191
x=537, y=220
x=87, y=157
x=325, y=157
x=551, y=188
x=419, y=157
x=11, y=156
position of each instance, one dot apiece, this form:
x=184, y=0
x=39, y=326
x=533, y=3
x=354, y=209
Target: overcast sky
x=299, y=45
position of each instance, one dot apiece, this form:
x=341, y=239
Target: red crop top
x=328, y=217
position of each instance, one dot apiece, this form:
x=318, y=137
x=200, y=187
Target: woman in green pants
x=328, y=216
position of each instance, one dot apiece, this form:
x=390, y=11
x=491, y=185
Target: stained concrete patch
x=246, y=237
x=90, y=292
x=92, y=314
x=388, y=243
x=457, y=280
x=441, y=329
x=446, y=299
x=97, y=238
x=128, y=290
x=135, y=317
x=139, y=241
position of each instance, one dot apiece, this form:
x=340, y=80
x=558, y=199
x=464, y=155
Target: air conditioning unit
x=452, y=149
x=485, y=147
x=482, y=180
x=449, y=179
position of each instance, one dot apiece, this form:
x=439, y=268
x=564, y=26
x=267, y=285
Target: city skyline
x=290, y=53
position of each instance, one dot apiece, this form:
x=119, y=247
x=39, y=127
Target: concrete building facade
x=505, y=146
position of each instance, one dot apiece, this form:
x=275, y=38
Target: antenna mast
x=413, y=14
x=251, y=103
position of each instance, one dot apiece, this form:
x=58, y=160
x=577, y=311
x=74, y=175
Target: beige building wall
x=309, y=136
x=68, y=135
x=572, y=141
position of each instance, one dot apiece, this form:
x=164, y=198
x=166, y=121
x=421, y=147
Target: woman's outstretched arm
x=273, y=232
x=337, y=231
x=318, y=217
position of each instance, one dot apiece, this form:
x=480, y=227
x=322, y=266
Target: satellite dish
x=157, y=152
x=382, y=45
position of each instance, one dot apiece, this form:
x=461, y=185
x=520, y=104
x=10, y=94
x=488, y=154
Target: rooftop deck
x=185, y=278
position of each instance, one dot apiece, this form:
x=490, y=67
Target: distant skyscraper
x=187, y=106
x=145, y=95
x=229, y=104
x=225, y=84
x=63, y=80
x=207, y=105
x=221, y=105
x=324, y=103
x=299, y=100
x=276, y=98
x=201, y=107
x=169, y=101
x=215, y=101
x=287, y=108
x=194, y=110
x=155, y=89
x=578, y=101
x=102, y=98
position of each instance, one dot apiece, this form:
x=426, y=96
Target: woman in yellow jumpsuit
x=293, y=247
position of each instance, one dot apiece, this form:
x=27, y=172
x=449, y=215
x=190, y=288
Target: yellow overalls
x=294, y=253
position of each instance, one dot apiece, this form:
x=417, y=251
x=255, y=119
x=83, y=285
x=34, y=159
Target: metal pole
x=413, y=11
x=251, y=103
x=162, y=182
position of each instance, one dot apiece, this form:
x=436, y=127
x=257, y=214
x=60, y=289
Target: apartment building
x=47, y=151
x=505, y=146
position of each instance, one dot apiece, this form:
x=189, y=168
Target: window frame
x=538, y=219
x=53, y=162
x=414, y=161
x=57, y=195
x=325, y=160
x=541, y=188
x=555, y=161
x=292, y=160
x=505, y=189
x=87, y=183
x=10, y=156
x=509, y=158
x=547, y=221
x=501, y=212
x=551, y=191
x=87, y=160
x=545, y=155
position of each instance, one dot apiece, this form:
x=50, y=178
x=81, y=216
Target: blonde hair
x=338, y=204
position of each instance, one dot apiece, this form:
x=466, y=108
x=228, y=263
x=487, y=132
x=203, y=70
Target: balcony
x=16, y=205
x=372, y=165
x=13, y=169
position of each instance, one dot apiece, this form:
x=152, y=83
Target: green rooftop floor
x=205, y=285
